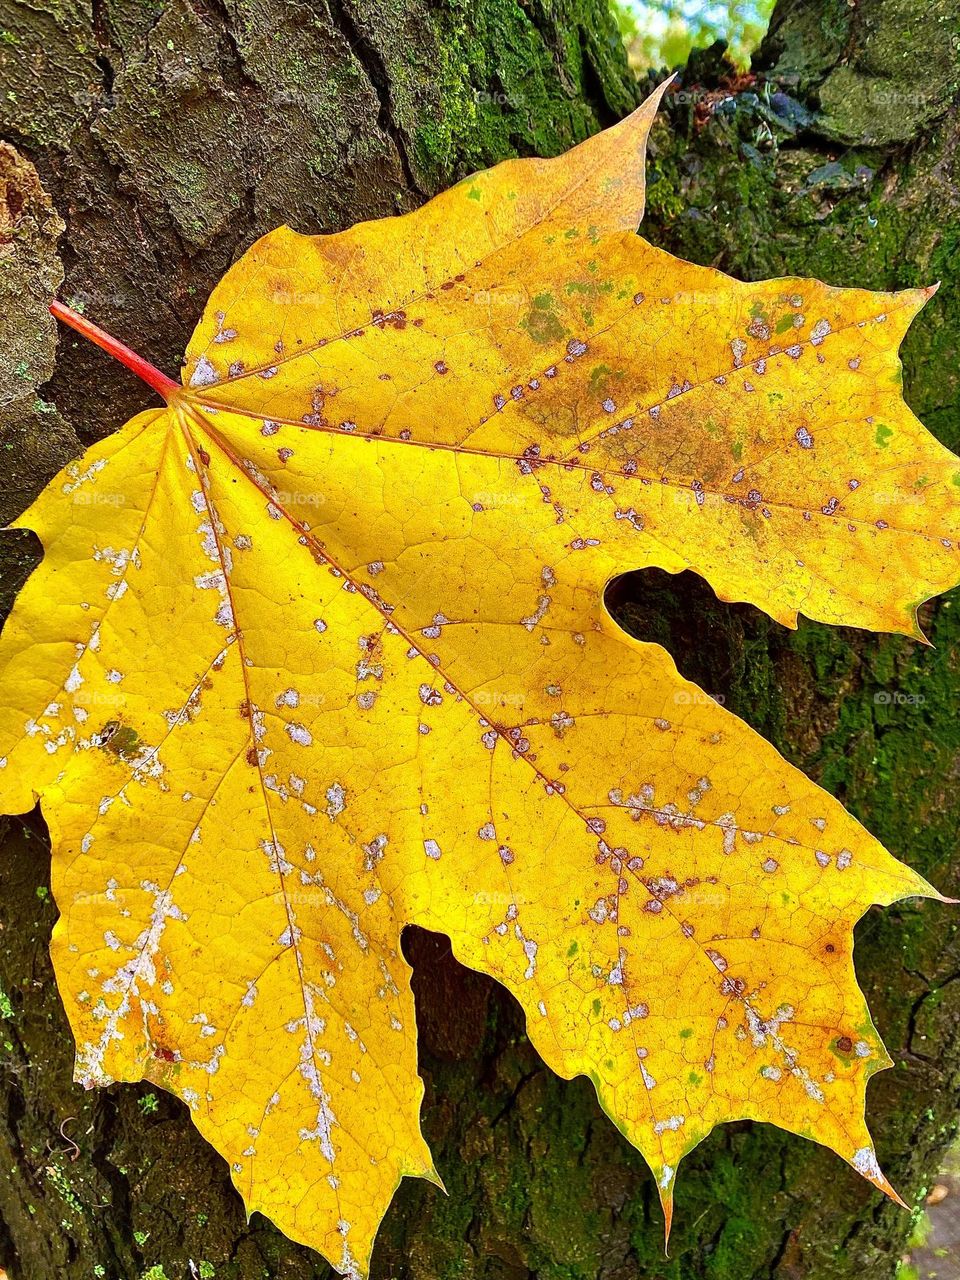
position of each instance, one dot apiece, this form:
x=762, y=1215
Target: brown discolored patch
x=119, y=739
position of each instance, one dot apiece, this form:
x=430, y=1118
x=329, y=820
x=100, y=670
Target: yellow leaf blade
x=766, y=451
x=320, y=651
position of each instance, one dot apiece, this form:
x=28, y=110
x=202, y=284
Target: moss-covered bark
x=167, y=136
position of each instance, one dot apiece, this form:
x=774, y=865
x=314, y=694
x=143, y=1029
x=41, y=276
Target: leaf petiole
x=152, y=376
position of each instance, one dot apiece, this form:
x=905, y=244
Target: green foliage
x=663, y=34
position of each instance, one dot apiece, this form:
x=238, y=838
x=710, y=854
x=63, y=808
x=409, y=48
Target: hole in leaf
x=729, y=650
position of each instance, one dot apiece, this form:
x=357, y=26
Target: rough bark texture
x=167, y=136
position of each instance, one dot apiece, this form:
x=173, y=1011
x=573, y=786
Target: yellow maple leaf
x=319, y=650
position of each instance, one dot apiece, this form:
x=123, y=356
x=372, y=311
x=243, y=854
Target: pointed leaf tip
x=665, y=1185
x=865, y=1163
x=891, y=1192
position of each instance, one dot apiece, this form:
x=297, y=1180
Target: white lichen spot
x=336, y=800
x=672, y=1123
x=865, y=1162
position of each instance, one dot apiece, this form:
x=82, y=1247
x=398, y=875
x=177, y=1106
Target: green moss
x=500, y=90
x=57, y=1178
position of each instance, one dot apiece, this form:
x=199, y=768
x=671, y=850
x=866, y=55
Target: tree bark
x=156, y=141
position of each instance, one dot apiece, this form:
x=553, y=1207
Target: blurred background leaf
x=662, y=35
